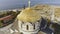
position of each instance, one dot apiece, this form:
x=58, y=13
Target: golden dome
x=29, y=15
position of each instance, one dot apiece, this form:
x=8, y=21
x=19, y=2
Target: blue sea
x=14, y=4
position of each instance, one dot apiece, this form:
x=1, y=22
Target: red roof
x=6, y=17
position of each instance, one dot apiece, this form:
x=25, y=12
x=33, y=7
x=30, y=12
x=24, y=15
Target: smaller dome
x=29, y=15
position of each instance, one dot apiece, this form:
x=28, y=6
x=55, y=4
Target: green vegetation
x=1, y=24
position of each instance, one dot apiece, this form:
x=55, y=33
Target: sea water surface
x=14, y=4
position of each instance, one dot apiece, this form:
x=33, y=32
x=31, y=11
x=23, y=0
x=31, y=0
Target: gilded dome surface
x=29, y=15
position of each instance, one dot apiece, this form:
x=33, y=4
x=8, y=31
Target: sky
x=10, y=4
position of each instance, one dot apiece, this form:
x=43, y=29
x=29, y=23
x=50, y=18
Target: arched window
x=21, y=25
x=27, y=27
x=34, y=26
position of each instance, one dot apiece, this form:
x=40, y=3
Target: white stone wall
x=31, y=29
x=19, y=24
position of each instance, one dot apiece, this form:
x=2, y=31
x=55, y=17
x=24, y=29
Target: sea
x=14, y=4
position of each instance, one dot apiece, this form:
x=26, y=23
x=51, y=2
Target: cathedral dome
x=29, y=15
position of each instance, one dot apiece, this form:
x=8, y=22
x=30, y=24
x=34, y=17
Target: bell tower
x=29, y=3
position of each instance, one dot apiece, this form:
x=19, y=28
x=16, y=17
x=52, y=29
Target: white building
x=29, y=21
x=28, y=28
